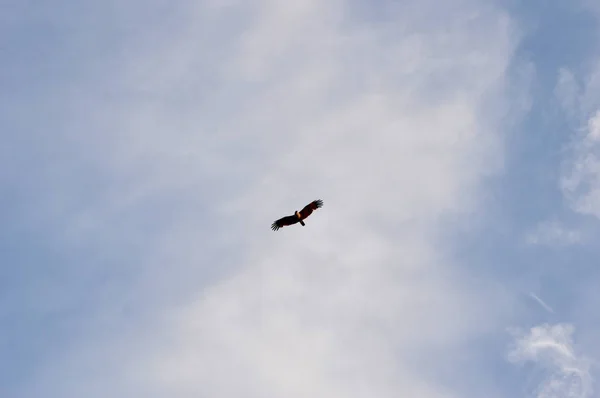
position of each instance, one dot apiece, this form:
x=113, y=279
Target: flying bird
x=298, y=216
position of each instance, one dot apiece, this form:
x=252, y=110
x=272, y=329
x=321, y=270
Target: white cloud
x=553, y=233
x=551, y=348
x=568, y=92
x=578, y=94
x=581, y=181
x=383, y=122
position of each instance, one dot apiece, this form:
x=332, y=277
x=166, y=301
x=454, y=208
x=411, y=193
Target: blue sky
x=147, y=147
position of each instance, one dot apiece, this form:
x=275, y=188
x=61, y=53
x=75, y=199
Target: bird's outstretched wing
x=308, y=209
x=284, y=221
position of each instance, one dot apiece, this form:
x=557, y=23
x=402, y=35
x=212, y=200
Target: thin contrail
x=541, y=302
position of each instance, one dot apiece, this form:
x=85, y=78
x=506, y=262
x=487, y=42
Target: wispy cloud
x=577, y=93
x=553, y=233
x=541, y=302
x=567, y=92
x=581, y=181
x=189, y=143
x=551, y=348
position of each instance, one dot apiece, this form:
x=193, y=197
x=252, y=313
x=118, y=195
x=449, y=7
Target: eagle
x=298, y=216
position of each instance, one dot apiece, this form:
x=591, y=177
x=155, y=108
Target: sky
x=148, y=146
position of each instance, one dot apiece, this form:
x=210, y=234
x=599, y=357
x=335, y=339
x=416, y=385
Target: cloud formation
x=552, y=233
x=581, y=183
x=551, y=348
x=190, y=139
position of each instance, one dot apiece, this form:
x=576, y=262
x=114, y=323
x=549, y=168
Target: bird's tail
x=301, y=222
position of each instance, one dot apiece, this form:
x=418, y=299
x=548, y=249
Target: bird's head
x=297, y=214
